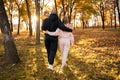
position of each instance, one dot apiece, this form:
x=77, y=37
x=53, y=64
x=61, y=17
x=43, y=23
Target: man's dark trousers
x=51, y=44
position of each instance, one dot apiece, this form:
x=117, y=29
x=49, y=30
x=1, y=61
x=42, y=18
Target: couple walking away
x=53, y=28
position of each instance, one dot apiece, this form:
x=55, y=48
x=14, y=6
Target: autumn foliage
x=95, y=56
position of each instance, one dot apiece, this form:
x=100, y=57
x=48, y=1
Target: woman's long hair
x=65, y=20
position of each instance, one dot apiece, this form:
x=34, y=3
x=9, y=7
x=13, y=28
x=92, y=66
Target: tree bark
x=37, y=4
x=102, y=15
x=71, y=5
x=83, y=22
x=118, y=9
x=11, y=23
x=11, y=54
x=115, y=15
x=18, y=31
x=111, y=19
x=11, y=16
x=56, y=6
x=63, y=6
x=29, y=16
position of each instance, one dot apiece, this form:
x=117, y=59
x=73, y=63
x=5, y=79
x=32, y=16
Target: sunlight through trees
x=94, y=56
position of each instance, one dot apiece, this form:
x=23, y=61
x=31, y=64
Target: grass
x=95, y=56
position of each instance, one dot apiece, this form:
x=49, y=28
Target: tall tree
x=29, y=16
x=86, y=10
x=19, y=11
x=63, y=6
x=55, y=5
x=11, y=16
x=118, y=9
x=115, y=14
x=71, y=6
x=10, y=8
x=37, y=5
x=9, y=45
x=110, y=7
x=100, y=6
x=102, y=12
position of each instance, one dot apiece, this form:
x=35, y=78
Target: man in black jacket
x=51, y=42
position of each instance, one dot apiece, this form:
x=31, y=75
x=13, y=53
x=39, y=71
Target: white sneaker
x=50, y=67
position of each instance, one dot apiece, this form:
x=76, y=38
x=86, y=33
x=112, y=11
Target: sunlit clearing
x=34, y=18
x=86, y=41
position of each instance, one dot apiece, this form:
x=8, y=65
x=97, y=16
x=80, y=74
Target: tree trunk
x=102, y=17
x=74, y=21
x=83, y=23
x=56, y=6
x=70, y=14
x=11, y=23
x=111, y=19
x=29, y=16
x=41, y=7
x=103, y=25
x=118, y=9
x=37, y=4
x=63, y=6
x=18, y=31
x=115, y=15
x=9, y=45
x=71, y=5
x=11, y=12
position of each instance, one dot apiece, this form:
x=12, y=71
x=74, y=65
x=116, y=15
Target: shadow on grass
x=88, y=70
x=43, y=72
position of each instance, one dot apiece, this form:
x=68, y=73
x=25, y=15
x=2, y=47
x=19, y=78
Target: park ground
x=95, y=56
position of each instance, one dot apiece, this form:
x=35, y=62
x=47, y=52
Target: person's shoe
x=50, y=67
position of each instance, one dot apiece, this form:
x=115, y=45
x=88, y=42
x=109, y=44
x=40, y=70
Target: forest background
x=95, y=55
